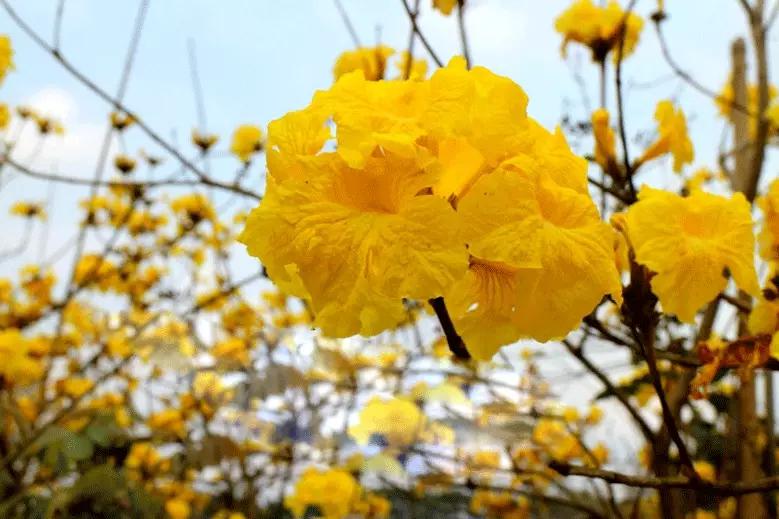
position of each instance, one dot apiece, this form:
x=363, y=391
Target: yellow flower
x=478, y=118
x=18, y=366
x=169, y=421
x=247, y=140
x=177, y=508
x=688, y=242
x=121, y=120
x=724, y=102
x=6, y=56
x=541, y=259
x=124, y=163
x=553, y=436
x=333, y=492
x=356, y=230
x=398, y=422
x=769, y=232
x=344, y=237
x=601, y=454
x=193, y=208
x=372, y=61
x=29, y=210
x=417, y=69
x=595, y=415
x=5, y=116
x=47, y=125
x=226, y=514
x=599, y=28
x=204, y=141
x=75, y=387
x=605, y=147
x=232, y=349
x=445, y=6
x=700, y=177
x=144, y=459
x=672, y=127
x=705, y=470
x=772, y=114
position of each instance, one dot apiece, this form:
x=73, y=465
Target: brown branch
x=620, y=108
x=347, y=23
x=720, y=489
x=685, y=76
x=453, y=339
x=5, y=159
x=646, y=342
x=463, y=35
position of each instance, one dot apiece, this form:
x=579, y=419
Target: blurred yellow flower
x=247, y=140
x=29, y=210
x=5, y=116
x=124, y=163
x=75, y=387
x=177, y=508
x=121, y=120
x=372, y=61
x=724, y=102
x=204, y=141
x=445, y=6
x=396, y=422
x=599, y=28
x=605, y=147
x=769, y=230
x=673, y=137
x=334, y=492
x=6, y=56
x=18, y=367
x=705, y=470
x=417, y=69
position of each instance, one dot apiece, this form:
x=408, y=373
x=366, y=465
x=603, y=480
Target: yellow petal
x=689, y=242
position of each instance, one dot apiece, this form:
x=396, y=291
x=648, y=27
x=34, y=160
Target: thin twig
x=58, y=24
x=463, y=35
x=720, y=489
x=620, y=108
x=348, y=23
x=686, y=77
x=421, y=36
x=116, y=103
x=453, y=339
x=612, y=390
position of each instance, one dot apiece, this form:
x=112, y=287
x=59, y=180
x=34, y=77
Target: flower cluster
x=426, y=189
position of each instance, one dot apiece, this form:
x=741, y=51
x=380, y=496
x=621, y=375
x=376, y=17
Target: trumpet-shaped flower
x=605, y=147
x=372, y=61
x=689, y=242
x=673, y=137
x=541, y=259
x=356, y=242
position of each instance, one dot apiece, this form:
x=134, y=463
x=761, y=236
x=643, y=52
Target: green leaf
x=77, y=447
